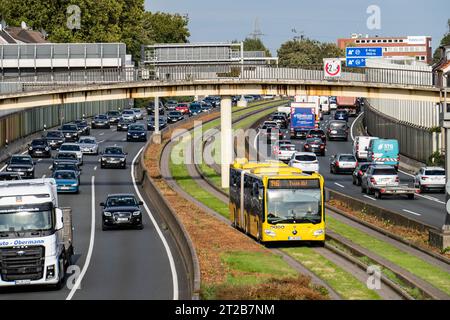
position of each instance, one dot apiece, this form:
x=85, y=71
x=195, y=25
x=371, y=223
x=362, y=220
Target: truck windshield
x=294, y=206
x=25, y=220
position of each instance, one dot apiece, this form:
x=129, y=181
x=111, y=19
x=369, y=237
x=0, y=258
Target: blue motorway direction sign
x=371, y=52
x=356, y=62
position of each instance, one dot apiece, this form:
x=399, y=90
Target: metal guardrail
x=186, y=73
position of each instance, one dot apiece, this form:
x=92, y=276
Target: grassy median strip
x=345, y=284
x=428, y=272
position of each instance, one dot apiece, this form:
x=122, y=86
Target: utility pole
x=257, y=33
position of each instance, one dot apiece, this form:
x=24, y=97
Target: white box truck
x=35, y=234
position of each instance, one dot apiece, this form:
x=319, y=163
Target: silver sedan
x=88, y=145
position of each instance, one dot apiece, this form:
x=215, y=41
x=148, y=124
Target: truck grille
x=22, y=263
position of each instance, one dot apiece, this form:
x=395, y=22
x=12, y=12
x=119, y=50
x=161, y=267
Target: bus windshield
x=294, y=206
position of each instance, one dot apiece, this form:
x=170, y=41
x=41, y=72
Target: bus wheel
x=246, y=225
x=258, y=233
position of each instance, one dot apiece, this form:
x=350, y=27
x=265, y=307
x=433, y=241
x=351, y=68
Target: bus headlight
x=318, y=232
x=270, y=233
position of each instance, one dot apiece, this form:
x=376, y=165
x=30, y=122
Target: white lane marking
x=24, y=152
x=339, y=185
x=39, y=160
x=353, y=124
x=430, y=198
x=50, y=167
x=43, y=177
x=95, y=168
x=163, y=239
x=408, y=174
x=124, y=139
x=91, y=243
x=3, y=168
x=101, y=141
x=256, y=141
x=412, y=212
x=101, y=133
x=368, y=197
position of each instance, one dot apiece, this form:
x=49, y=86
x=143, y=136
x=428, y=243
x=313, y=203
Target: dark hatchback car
x=317, y=133
x=83, y=127
x=65, y=157
x=315, y=145
x=341, y=115
x=113, y=116
x=22, y=165
x=151, y=123
x=70, y=132
x=337, y=129
x=151, y=107
x=113, y=157
x=39, y=148
x=359, y=171
x=174, y=116
x=121, y=210
x=137, y=132
x=54, y=138
x=100, y=121
x=124, y=124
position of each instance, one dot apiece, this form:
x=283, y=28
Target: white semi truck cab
x=35, y=234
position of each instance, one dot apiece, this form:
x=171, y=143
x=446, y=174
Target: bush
x=436, y=159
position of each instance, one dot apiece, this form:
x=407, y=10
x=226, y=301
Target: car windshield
x=114, y=113
x=101, y=117
x=337, y=125
x=66, y=156
x=124, y=201
x=113, y=151
x=385, y=172
x=347, y=158
x=305, y=157
x=128, y=112
x=69, y=147
x=435, y=172
x=294, y=206
x=66, y=166
x=21, y=160
x=25, y=220
x=313, y=141
x=287, y=147
x=64, y=175
x=38, y=142
x=137, y=127
x=54, y=134
x=87, y=141
x=69, y=127
x=175, y=114
x=316, y=132
x=82, y=124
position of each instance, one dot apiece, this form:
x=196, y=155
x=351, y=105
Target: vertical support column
x=226, y=147
x=156, y=133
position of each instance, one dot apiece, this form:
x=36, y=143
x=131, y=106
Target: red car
x=183, y=108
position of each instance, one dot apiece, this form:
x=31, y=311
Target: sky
x=324, y=20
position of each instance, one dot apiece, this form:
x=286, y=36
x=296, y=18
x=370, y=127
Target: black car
x=315, y=145
x=39, y=148
x=151, y=107
x=83, y=127
x=113, y=157
x=100, y=121
x=70, y=132
x=65, y=157
x=8, y=176
x=113, y=116
x=317, y=133
x=22, y=165
x=359, y=171
x=151, y=123
x=337, y=129
x=67, y=165
x=341, y=115
x=124, y=124
x=137, y=132
x=121, y=210
x=54, y=138
x=174, y=116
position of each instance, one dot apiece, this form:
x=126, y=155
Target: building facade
x=395, y=48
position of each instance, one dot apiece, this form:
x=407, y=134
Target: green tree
x=251, y=44
x=162, y=27
x=444, y=42
x=295, y=53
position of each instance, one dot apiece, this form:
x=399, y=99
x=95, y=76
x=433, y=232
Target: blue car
x=66, y=181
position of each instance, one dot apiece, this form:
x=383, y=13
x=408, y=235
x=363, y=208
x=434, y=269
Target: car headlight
x=318, y=232
x=123, y=159
x=9, y=169
x=270, y=233
x=46, y=148
x=74, y=184
x=142, y=133
x=136, y=213
x=30, y=169
x=103, y=159
x=107, y=214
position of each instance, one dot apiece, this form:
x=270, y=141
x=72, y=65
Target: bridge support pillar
x=226, y=146
x=156, y=115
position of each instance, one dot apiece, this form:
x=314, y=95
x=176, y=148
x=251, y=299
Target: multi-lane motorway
x=428, y=208
x=114, y=264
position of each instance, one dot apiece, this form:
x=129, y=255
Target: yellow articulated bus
x=274, y=202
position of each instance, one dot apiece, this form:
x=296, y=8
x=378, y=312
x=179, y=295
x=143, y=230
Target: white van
x=360, y=146
x=324, y=105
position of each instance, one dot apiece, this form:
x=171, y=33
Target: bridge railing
x=185, y=73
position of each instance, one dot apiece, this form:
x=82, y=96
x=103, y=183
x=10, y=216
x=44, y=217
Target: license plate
x=333, y=131
x=314, y=146
x=64, y=188
x=38, y=151
x=19, y=282
x=135, y=136
x=294, y=238
x=122, y=219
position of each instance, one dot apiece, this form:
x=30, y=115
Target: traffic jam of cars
x=373, y=163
